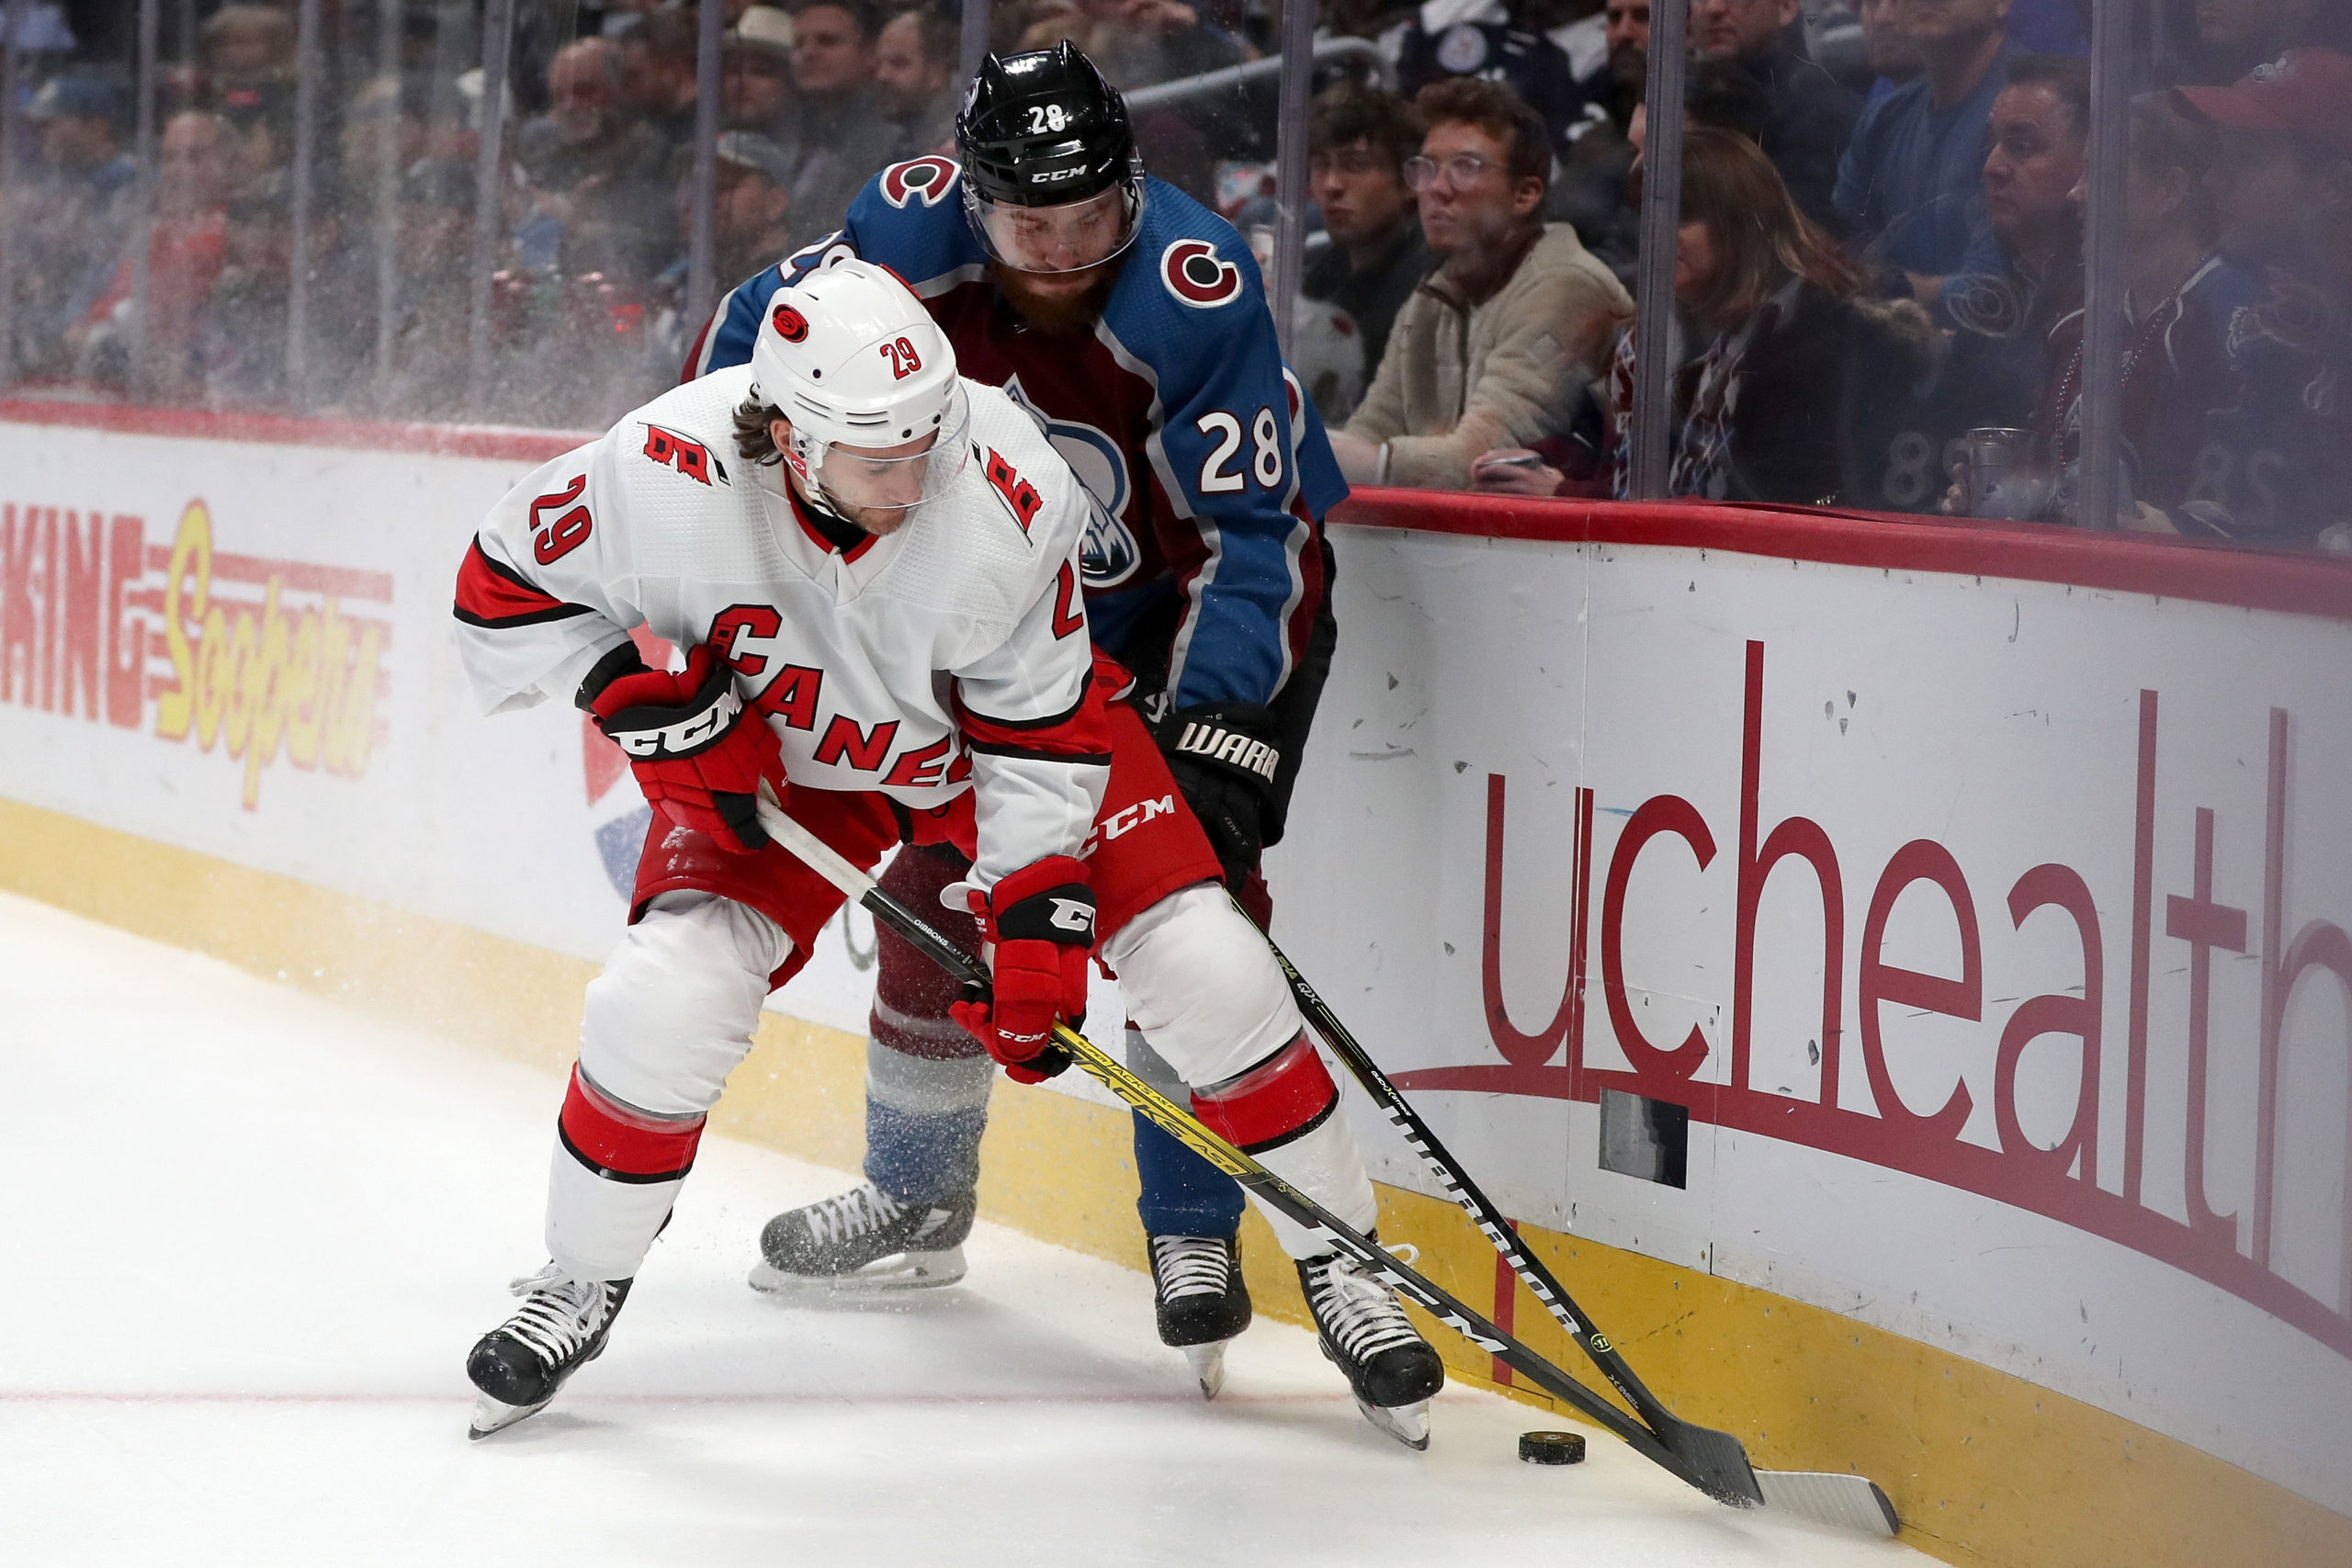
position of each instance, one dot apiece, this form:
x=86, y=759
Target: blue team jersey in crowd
x=1211, y=472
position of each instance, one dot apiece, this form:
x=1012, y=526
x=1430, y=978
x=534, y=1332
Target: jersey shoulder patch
x=1196, y=275
x=667, y=448
x=924, y=180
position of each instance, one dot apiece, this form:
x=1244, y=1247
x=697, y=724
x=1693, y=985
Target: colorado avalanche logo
x=790, y=324
x=1195, y=276
x=1108, y=553
x=922, y=179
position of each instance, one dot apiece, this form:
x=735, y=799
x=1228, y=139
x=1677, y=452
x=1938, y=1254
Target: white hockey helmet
x=850, y=356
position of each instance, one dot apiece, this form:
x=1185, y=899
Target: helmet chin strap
x=801, y=455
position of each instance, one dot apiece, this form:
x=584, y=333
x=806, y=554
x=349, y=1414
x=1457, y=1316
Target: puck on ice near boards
x=1552, y=1447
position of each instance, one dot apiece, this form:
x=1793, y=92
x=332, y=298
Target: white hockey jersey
x=949, y=655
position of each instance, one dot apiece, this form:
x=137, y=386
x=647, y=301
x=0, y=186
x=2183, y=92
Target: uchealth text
x=2165, y=921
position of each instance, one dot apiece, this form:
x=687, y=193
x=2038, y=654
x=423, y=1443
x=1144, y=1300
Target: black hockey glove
x=1224, y=758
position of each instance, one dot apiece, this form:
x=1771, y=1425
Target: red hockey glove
x=1042, y=920
x=698, y=752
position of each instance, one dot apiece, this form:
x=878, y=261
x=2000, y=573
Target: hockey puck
x=1552, y=1447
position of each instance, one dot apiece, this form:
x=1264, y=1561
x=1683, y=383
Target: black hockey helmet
x=1043, y=129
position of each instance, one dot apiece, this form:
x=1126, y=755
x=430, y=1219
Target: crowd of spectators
x=1880, y=265
x=1880, y=290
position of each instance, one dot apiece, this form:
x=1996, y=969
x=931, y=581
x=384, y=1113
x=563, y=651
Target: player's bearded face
x=1054, y=264
x=1060, y=302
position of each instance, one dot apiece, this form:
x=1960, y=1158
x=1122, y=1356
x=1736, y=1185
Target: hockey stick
x=1852, y=1501
x=1183, y=1127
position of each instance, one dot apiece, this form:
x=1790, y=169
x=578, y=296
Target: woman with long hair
x=1790, y=373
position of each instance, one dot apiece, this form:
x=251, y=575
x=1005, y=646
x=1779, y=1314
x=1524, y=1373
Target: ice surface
x=250, y=1235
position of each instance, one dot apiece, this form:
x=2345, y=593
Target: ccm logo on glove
x=698, y=753
x=695, y=733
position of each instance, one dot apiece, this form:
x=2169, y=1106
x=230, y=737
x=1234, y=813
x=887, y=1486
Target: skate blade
x=1208, y=1366
x=1409, y=1423
x=493, y=1415
x=883, y=1276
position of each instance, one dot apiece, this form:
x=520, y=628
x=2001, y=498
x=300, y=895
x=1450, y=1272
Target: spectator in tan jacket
x=1495, y=346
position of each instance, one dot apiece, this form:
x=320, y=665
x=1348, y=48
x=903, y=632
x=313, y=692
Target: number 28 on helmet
x=1052, y=182
x=868, y=381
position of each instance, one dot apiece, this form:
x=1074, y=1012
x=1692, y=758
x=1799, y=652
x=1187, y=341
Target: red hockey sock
x=1281, y=1099
x=622, y=1143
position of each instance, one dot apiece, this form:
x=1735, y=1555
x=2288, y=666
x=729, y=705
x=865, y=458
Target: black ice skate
x=1390, y=1368
x=864, y=1240
x=518, y=1366
x=1203, y=1300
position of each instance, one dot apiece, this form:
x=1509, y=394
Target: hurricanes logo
x=922, y=179
x=1195, y=276
x=790, y=324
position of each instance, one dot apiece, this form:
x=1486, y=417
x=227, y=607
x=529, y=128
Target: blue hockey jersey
x=1211, y=472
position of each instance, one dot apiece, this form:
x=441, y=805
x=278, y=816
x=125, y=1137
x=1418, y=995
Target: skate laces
x=560, y=1315
x=1357, y=1310
x=851, y=1214
x=1189, y=1266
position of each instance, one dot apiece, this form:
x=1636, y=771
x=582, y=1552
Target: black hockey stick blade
x=1721, y=1461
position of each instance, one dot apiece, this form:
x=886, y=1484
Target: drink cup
x=2005, y=480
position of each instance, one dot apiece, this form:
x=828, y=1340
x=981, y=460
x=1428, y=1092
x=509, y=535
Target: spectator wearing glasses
x=1809, y=115
x=1907, y=191
x=1797, y=381
x=1357, y=144
x=1494, y=346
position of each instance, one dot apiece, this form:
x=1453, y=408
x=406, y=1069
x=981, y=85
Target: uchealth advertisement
x=1968, y=956
x=1963, y=954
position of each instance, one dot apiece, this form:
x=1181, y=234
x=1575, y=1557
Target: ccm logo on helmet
x=790, y=324
x=1195, y=276
x=923, y=179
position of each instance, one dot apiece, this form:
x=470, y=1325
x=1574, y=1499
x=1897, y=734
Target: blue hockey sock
x=918, y=1159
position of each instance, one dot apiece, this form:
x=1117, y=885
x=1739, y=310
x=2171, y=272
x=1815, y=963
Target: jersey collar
x=813, y=520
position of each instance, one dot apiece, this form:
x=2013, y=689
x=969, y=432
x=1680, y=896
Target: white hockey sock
x=1325, y=1165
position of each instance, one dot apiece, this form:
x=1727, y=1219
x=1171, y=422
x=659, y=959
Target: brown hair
x=1499, y=112
x=1759, y=237
x=1348, y=114
x=755, y=442
x=940, y=37
x=2163, y=139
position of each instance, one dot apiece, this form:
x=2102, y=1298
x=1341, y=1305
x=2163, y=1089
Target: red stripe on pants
x=620, y=1142
x=1269, y=1102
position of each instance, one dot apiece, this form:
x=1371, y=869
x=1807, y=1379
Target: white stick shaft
x=820, y=856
